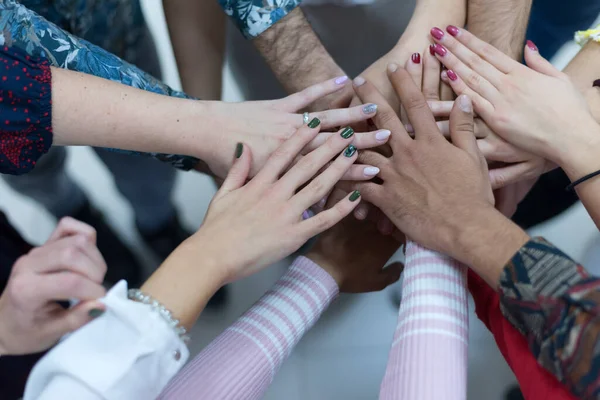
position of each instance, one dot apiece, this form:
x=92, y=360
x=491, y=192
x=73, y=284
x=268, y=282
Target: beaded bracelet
x=166, y=315
x=582, y=37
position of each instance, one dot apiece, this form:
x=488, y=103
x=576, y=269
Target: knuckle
x=385, y=117
x=69, y=282
x=487, y=51
x=465, y=126
x=415, y=102
x=20, y=288
x=317, y=185
x=473, y=80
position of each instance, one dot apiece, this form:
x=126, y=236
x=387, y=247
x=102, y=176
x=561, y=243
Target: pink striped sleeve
x=428, y=358
x=240, y=364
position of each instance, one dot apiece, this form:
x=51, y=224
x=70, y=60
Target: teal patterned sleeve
x=24, y=29
x=253, y=17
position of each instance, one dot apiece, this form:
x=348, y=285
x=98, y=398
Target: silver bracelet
x=166, y=315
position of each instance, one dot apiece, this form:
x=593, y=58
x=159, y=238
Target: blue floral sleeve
x=253, y=17
x=24, y=29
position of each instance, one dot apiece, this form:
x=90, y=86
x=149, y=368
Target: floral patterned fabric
x=253, y=17
x=23, y=28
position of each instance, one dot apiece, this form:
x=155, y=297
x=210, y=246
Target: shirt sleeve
x=240, y=364
x=253, y=17
x=26, y=110
x=535, y=382
x=130, y=352
x=555, y=302
x=428, y=357
x=24, y=29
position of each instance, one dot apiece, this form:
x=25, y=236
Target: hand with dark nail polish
x=31, y=319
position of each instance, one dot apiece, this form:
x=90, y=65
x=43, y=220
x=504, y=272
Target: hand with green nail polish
x=252, y=223
x=31, y=320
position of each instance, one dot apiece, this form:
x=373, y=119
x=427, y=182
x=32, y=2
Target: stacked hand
x=68, y=266
x=264, y=125
x=536, y=109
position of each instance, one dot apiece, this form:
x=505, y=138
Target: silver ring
x=305, y=118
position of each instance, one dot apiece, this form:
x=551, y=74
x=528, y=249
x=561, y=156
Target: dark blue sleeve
x=25, y=110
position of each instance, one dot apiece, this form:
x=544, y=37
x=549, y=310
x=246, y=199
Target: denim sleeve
x=24, y=29
x=253, y=17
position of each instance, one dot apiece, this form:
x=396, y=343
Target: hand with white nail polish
x=68, y=266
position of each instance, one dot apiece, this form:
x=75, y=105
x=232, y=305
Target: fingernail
x=370, y=108
x=239, y=149
x=437, y=33
x=440, y=50
x=382, y=135
x=444, y=75
x=314, y=123
x=359, y=80
x=306, y=215
x=409, y=128
x=452, y=30
x=532, y=45
x=451, y=75
x=392, y=67
x=371, y=171
x=341, y=80
x=95, y=312
x=350, y=150
x=355, y=195
x=432, y=49
x=464, y=102
x=596, y=83
x=416, y=58
x=322, y=202
x=347, y=132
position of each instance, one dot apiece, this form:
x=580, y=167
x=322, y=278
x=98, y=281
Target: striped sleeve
x=428, y=358
x=240, y=364
x=555, y=303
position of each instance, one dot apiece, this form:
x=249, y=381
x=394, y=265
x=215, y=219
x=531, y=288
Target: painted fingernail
x=432, y=49
x=416, y=58
x=440, y=50
x=341, y=80
x=437, y=33
x=369, y=109
x=355, y=195
x=451, y=29
x=239, y=149
x=532, y=45
x=95, y=312
x=392, y=67
x=306, y=215
x=451, y=75
x=371, y=171
x=350, y=150
x=322, y=202
x=409, y=128
x=359, y=80
x=347, y=132
x=464, y=102
x=314, y=123
x=382, y=135
x=596, y=83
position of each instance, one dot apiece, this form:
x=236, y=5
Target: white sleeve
x=130, y=352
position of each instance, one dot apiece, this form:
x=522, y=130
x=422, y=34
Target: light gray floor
x=344, y=356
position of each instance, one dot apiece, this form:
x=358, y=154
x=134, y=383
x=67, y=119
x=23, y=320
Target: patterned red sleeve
x=25, y=110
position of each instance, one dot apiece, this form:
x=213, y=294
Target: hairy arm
x=500, y=23
x=197, y=31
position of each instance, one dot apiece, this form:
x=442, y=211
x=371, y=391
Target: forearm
x=197, y=30
x=432, y=332
x=583, y=72
x=554, y=302
x=295, y=53
x=501, y=23
x=241, y=363
x=122, y=117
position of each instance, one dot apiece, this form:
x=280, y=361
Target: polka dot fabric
x=25, y=110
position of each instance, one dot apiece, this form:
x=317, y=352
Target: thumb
x=536, y=62
x=389, y=275
x=236, y=178
x=462, y=126
x=75, y=317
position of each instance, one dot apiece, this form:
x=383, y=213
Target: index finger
x=412, y=99
x=68, y=226
x=386, y=117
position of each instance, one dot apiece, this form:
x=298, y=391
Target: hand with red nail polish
x=535, y=107
x=68, y=266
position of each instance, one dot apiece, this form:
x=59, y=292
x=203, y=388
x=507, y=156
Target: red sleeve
x=536, y=383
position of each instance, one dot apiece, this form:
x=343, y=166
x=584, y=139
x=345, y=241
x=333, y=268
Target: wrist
x=581, y=155
x=327, y=266
x=486, y=240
